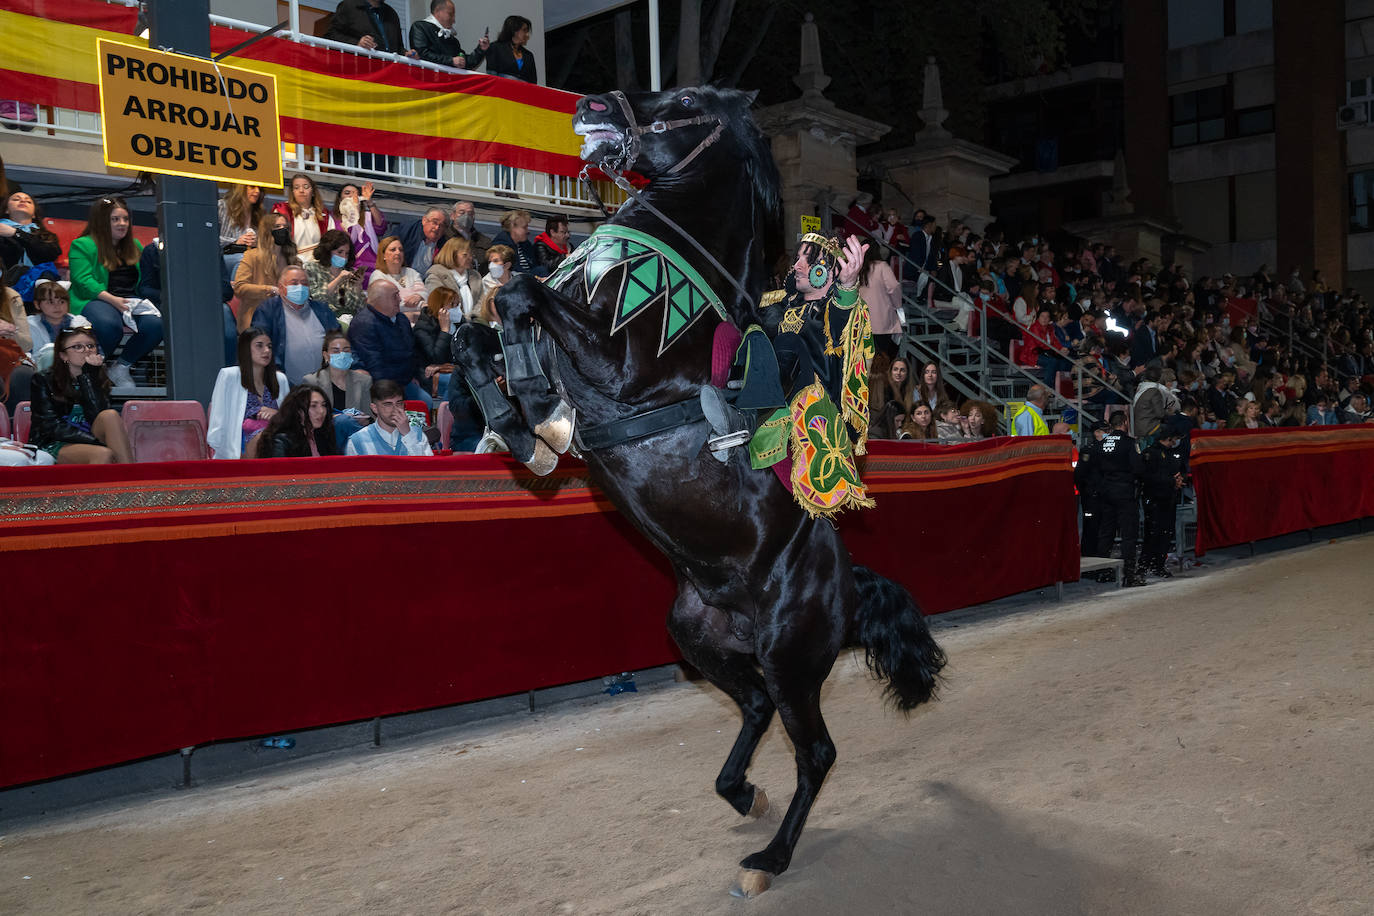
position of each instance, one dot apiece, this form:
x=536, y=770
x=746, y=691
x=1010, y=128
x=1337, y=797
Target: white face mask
x=497, y=270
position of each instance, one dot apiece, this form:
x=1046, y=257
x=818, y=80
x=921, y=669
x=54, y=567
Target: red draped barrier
x=1258, y=483
x=153, y=607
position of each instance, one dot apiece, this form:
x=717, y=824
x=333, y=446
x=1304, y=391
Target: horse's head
x=688, y=132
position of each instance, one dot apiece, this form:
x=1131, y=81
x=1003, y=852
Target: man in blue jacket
x=297, y=325
x=421, y=239
x=383, y=343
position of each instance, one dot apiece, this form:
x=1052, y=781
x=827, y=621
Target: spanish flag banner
x=326, y=97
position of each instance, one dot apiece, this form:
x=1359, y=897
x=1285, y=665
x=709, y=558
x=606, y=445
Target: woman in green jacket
x=104, y=274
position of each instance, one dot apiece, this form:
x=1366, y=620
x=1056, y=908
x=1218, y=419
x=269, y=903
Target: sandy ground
x=1200, y=746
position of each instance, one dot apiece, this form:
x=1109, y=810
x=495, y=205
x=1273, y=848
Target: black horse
x=767, y=596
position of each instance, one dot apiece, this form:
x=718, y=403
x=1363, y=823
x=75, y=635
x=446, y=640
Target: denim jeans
x=108, y=324
x=416, y=393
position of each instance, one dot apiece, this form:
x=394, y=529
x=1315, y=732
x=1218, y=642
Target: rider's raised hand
x=851, y=261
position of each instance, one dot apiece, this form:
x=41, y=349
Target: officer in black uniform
x=1087, y=476
x=1161, y=482
x=1120, y=469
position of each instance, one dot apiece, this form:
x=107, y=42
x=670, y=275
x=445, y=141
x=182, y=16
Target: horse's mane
x=759, y=164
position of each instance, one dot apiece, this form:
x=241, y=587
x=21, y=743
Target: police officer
x=1162, y=480
x=1120, y=468
x=1087, y=476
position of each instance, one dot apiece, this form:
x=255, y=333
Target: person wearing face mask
x=333, y=276
x=346, y=388
x=262, y=265
x=515, y=234
x=356, y=215
x=499, y=261
x=463, y=225
x=296, y=324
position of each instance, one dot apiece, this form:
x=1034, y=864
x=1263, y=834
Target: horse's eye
x=687, y=101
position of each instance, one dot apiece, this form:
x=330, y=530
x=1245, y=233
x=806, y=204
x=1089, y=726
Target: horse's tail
x=898, y=646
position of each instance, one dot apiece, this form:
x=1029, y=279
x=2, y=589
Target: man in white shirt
x=392, y=433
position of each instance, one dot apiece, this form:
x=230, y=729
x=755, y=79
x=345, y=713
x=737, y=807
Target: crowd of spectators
x=333, y=299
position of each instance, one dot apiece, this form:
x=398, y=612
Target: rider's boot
x=730, y=427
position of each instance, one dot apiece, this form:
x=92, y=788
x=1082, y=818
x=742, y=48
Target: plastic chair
x=23, y=418
x=445, y=424
x=4, y=422
x=166, y=430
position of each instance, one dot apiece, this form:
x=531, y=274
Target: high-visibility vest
x=1038, y=426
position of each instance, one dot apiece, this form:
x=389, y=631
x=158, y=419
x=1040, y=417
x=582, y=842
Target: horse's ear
x=750, y=96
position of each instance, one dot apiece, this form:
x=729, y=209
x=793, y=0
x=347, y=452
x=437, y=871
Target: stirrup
x=728, y=424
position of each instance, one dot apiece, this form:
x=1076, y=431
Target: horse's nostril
x=597, y=106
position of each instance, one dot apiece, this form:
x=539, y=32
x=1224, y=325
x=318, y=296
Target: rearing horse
x=767, y=596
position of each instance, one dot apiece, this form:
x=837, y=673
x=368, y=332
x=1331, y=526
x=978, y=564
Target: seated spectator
x=392, y=433
x=245, y=397
x=370, y=24
x=346, y=388
x=240, y=213
x=54, y=316
x=105, y=274
x=295, y=324
x=552, y=244
x=309, y=220
x=1042, y=347
x=16, y=352
x=1323, y=412
x=920, y=425
x=421, y=239
x=878, y=287
x=335, y=277
x=515, y=233
x=1023, y=308
x=930, y=388
x=302, y=428
x=507, y=55
x=434, y=39
x=499, y=261
x=14, y=324
x=362, y=220
x=391, y=271
x=1357, y=410
x=980, y=420
x=463, y=225
x=150, y=288
x=453, y=270
x=72, y=417
x=434, y=340
x=950, y=426
x=24, y=240
x=1247, y=416
x=383, y=342
x=889, y=400
x=256, y=278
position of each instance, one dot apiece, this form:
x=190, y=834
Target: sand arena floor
x=1199, y=746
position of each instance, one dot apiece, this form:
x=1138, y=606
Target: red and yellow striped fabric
x=326, y=98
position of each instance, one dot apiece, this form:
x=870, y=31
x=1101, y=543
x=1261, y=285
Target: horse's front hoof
x=752, y=882
x=544, y=459
x=557, y=430
x=760, y=806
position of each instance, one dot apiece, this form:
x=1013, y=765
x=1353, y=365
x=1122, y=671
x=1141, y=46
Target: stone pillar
x=814, y=143
x=1309, y=74
x=948, y=177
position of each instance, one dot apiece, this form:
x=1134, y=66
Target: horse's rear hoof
x=752, y=882
x=557, y=430
x=760, y=806
x=544, y=459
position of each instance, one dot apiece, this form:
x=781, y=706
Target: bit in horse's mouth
x=596, y=135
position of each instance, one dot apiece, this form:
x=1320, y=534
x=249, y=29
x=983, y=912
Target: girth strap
x=640, y=425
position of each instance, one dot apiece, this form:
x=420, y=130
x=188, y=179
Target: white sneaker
x=119, y=376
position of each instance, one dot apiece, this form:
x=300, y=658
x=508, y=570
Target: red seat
x=4, y=422
x=445, y=424
x=1063, y=383
x=23, y=418
x=166, y=430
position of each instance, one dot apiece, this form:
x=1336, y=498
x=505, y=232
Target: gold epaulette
x=771, y=297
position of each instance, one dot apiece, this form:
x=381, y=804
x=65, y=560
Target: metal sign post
x=188, y=224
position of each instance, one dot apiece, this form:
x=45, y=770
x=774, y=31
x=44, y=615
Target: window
x=1253, y=121
x=1193, y=22
x=1199, y=116
x=1362, y=201
x=1360, y=90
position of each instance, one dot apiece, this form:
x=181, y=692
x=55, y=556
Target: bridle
x=629, y=152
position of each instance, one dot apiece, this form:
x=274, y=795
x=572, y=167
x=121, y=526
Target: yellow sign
x=810, y=224
x=180, y=115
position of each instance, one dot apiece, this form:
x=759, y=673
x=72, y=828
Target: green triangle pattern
x=641, y=289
